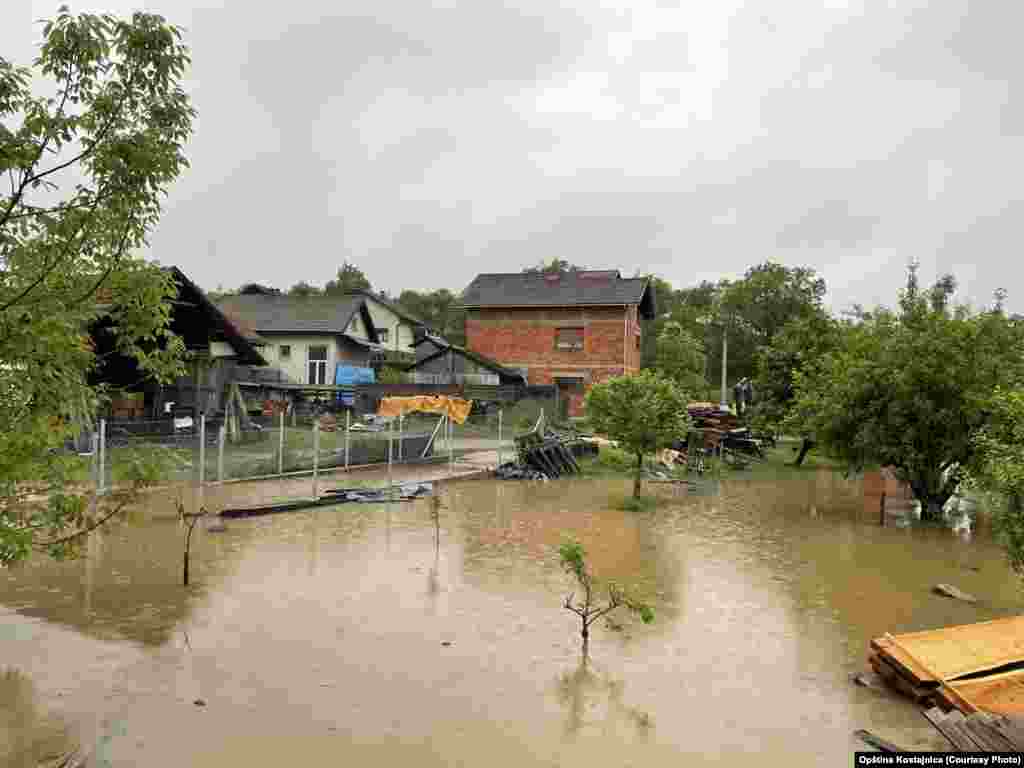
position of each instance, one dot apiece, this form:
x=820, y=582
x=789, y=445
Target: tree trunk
x=639, y=471
x=805, y=447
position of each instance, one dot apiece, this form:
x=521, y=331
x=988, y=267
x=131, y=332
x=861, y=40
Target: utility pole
x=725, y=354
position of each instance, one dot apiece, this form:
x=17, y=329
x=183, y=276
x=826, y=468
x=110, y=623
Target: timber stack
x=968, y=668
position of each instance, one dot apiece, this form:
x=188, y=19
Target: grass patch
x=635, y=504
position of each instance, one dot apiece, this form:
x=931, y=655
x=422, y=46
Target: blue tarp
x=348, y=376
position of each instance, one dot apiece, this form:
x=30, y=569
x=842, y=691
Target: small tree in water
x=589, y=608
x=643, y=413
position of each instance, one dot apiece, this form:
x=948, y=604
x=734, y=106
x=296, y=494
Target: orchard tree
x=643, y=413
x=999, y=467
x=87, y=162
x=796, y=348
x=911, y=390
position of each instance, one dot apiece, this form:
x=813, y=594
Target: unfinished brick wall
x=526, y=338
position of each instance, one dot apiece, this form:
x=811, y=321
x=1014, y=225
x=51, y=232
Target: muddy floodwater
x=365, y=634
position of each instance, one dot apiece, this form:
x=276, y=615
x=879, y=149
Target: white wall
x=294, y=367
x=400, y=334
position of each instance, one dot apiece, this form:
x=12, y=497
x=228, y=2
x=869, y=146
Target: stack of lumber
x=969, y=668
x=978, y=732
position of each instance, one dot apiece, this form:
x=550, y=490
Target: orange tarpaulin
x=456, y=408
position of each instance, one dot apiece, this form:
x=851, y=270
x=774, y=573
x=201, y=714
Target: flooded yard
x=364, y=633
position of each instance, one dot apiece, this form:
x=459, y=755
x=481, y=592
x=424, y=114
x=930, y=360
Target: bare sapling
x=590, y=606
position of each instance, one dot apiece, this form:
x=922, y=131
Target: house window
x=317, y=365
x=286, y=351
x=382, y=334
x=569, y=338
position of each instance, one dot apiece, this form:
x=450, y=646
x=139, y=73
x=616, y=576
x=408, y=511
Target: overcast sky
x=428, y=142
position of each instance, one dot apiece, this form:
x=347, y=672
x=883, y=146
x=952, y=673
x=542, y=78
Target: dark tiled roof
x=239, y=337
x=476, y=357
x=293, y=314
x=566, y=289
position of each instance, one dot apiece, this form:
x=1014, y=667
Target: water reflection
x=592, y=698
x=441, y=634
x=29, y=737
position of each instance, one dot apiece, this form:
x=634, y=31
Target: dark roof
x=397, y=309
x=297, y=314
x=423, y=334
x=477, y=358
x=235, y=336
x=565, y=289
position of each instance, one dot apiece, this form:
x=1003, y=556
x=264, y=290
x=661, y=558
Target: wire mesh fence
x=208, y=450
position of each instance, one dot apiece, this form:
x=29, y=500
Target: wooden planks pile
x=969, y=668
x=978, y=732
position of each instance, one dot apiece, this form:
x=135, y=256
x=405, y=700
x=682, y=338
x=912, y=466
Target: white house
x=305, y=337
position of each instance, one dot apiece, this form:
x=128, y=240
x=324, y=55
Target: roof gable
x=392, y=307
x=239, y=338
x=483, y=362
x=564, y=289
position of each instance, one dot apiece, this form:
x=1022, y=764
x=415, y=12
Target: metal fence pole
x=280, y=447
x=391, y=437
x=401, y=429
x=500, y=410
x=348, y=428
x=96, y=460
x=202, y=457
x=316, y=455
x=451, y=448
x=102, y=487
x=221, y=439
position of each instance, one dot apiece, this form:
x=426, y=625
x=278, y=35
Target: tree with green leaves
x=999, y=466
x=680, y=357
x=438, y=310
x=302, y=288
x=770, y=295
x=795, y=348
x=553, y=267
x=349, y=278
x=588, y=607
x=911, y=390
x=643, y=413
x=87, y=164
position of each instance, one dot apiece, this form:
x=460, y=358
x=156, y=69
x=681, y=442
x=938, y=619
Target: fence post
x=102, y=487
x=221, y=438
x=316, y=455
x=348, y=427
x=401, y=429
x=451, y=448
x=96, y=460
x=280, y=447
x=202, y=457
x=391, y=437
x=500, y=411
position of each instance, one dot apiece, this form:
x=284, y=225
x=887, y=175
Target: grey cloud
x=831, y=222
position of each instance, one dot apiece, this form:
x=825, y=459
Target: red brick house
x=571, y=329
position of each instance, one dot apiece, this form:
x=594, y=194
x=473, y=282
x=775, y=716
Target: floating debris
x=949, y=591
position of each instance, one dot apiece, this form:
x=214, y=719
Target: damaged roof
x=585, y=288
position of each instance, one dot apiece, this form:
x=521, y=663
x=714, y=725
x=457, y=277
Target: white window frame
x=321, y=364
